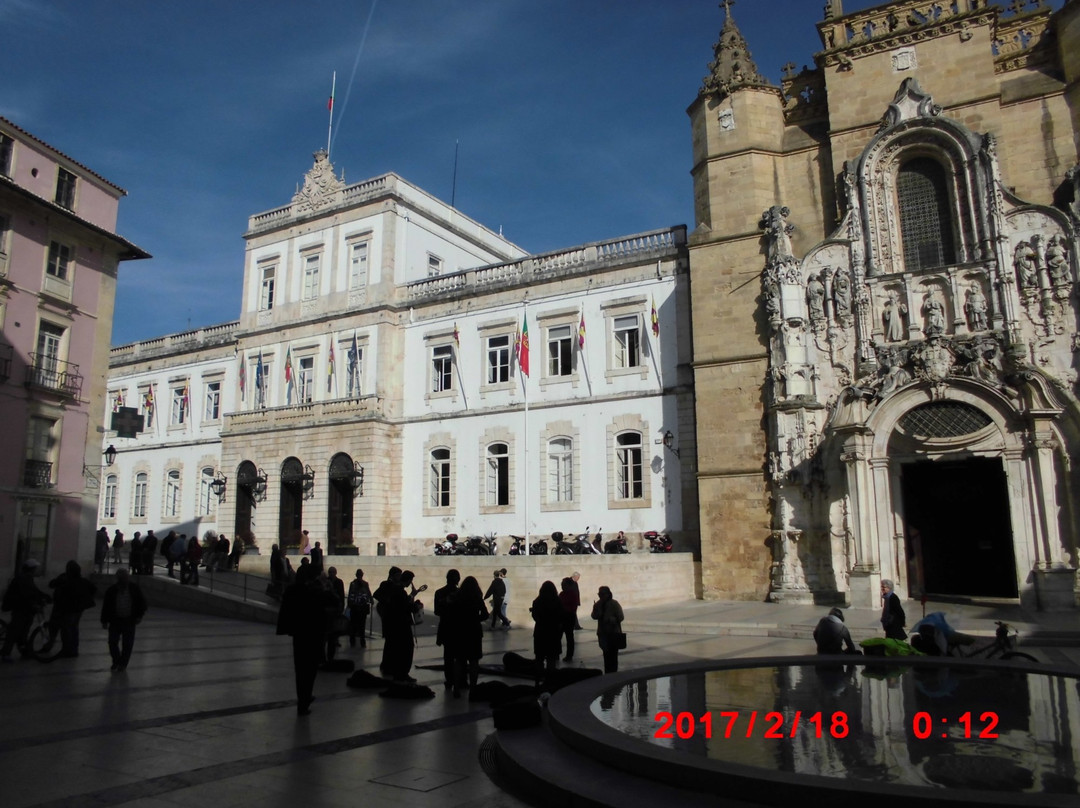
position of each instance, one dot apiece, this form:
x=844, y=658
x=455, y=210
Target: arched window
x=138, y=502
x=498, y=474
x=629, y=481
x=172, y=493
x=440, y=479
x=108, y=509
x=206, y=493
x=560, y=470
x=922, y=191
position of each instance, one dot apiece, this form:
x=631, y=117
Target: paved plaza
x=206, y=713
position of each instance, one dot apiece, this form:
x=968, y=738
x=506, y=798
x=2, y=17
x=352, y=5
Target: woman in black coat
x=548, y=615
x=465, y=633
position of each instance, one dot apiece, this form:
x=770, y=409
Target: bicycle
x=43, y=637
x=1006, y=638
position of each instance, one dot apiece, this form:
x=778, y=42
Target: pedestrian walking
x=135, y=553
x=123, y=609
x=497, y=592
x=608, y=614
x=72, y=595
x=548, y=616
x=442, y=601
x=893, y=618
x=570, y=601
x=465, y=634
x=22, y=598
x=303, y=616
x=117, y=546
x=101, y=549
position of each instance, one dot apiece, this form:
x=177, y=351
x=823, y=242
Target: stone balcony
x=299, y=416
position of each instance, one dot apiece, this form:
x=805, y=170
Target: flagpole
x=525, y=439
x=333, y=87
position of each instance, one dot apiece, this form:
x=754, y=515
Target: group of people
x=216, y=553
x=122, y=609
x=833, y=637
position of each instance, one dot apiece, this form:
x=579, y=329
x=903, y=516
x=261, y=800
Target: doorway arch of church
x=942, y=481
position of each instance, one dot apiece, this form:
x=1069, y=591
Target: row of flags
x=261, y=372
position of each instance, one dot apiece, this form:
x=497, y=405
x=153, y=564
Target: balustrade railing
x=37, y=474
x=49, y=373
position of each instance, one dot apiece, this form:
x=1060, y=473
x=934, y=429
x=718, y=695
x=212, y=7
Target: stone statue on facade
x=975, y=308
x=894, y=376
x=893, y=317
x=1057, y=264
x=1024, y=263
x=841, y=293
x=778, y=232
x=815, y=299
x=1073, y=176
x=933, y=311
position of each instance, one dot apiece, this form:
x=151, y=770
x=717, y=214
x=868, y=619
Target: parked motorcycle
x=616, y=546
x=579, y=545
x=658, y=542
x=450, y=546
x=481, y=545
x=538, y=547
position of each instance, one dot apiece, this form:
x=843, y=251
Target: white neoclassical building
x=373, y=390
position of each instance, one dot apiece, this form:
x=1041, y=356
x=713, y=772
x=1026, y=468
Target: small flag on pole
x=655, y=320
x=288, y=366
x=581, y=330
x=523, y=347
x=457, y=337
x=330, y=369
x=148, y=405
x=243, y=376
x=259, y=391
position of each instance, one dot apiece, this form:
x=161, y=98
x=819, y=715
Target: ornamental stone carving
x=321, y=188
x=975, y=308
x=778, y=232
x=892, y=317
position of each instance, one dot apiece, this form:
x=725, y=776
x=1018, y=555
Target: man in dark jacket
x=72, y=595
x=497, y=591
x=444, y=599
x=149, y=547
x=122, y=610
x=303, y=613
x=22, y=599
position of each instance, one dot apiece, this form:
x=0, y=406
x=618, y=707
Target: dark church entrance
x=959, y=539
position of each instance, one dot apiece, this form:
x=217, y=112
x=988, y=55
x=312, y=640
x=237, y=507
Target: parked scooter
x=449, y=546
x=616, y=546
x=658, y=542
x=538, y=547
x=579, y=545
x=481, y=545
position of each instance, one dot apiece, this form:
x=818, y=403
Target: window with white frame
x=5, y=230
x=260, y=381
x=266, y=292
x=213, y=401
x=627, y=341
x=442, y=368
x=172, y=492
x=305, y=378
x=138, y=502
x=49, y=350
x=59, y=263
x=179, y=408
x=560, y=484
x=629, y=482
x=65, y=189
x=147, y=405
x=497, y=476
x=560, y=351
x=439, y=478
x=434, y=265
x=358, y=264
x=207, y=498
x=311, y=276
x=498, y=359
x=108, y=505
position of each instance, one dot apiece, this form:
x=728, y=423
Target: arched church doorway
x=957, y=525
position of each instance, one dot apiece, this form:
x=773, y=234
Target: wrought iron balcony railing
x=49, y=373
x=37, y=474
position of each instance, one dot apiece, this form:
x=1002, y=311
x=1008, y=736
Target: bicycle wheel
x=1018, y=655
x=39, y=642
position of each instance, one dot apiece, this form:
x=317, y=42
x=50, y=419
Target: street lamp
x=110, y=455
x=669, y=439
x=356, y=478
x=219, y=485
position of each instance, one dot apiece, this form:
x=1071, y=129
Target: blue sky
x=570, y=115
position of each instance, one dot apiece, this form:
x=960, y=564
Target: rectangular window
x=311, y=277
x=627, y=342
x=630, y=484
x=213, y=401
x=498, y=359
x=138, y=502
x=59, y=265
x=358, y=264
x=172, y=493
x=442, y=366
x=561, y=470
x=306, y=380
x=108, y=508
x=266, y=294
x=434, y=265
x=440, y=478
x=7, y=148
x=65, y=189
x=5, y=229
x=179, y=410
x=560, y=351
x=498, y=475
x=207, y=498
x=260, y=377
x=50, y=339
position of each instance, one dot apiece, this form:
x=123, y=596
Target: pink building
x=59, y=256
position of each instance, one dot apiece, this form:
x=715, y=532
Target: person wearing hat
x=831, y=635
x=22, y=599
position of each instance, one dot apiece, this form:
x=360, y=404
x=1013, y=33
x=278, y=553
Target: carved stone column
x=865, y=575
x=1055, y=579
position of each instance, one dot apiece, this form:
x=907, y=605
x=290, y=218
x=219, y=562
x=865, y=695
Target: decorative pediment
x=321, y=188
x=909, y=102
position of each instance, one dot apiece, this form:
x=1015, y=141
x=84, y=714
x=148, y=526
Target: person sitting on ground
x=832, y=636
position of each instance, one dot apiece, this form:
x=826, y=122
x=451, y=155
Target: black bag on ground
x=364, y=680
x=516, y=663
x=518, y=714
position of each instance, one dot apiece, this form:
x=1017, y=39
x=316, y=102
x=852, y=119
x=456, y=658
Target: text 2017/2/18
x=686, y=725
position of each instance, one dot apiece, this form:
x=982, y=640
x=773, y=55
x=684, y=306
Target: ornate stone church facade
x=887, y=247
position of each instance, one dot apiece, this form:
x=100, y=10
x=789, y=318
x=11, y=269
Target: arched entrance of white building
x=291, y=508
x=339, y=517
x=247, y=492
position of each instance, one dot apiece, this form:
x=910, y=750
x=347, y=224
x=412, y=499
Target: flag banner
x=457, y=337
x=243, y=376
x=655, y=320
x=330, y=369
x=581, y=331
x=354, y=367
x=260, y=398
x=288, y=366
x=148, y=405
x=523, y=347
